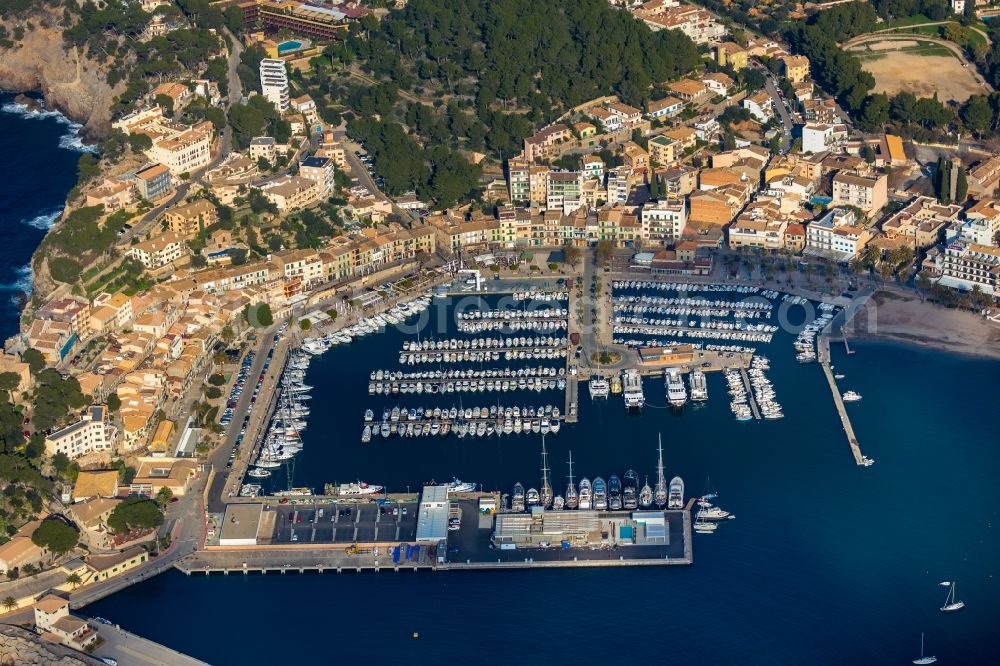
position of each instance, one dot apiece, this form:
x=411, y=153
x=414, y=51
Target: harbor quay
x=437, y=533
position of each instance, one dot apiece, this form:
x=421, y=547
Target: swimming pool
x=288, y=46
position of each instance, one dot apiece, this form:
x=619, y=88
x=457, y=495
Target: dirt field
x=923, y=75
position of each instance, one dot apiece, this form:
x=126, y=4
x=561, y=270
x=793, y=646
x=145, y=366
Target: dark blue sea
x=41, y=149
x=826, y=562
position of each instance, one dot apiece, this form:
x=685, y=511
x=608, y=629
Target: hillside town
x=216, y=234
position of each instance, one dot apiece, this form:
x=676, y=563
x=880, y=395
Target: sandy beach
x=903, y=317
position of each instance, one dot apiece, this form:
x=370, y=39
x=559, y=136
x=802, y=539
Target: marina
x=519, y=366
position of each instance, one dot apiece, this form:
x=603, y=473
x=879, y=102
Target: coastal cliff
x=76, y=86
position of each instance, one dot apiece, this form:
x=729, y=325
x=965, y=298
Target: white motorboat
x=851, y=396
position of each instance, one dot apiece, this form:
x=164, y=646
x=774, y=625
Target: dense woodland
x=481, y=76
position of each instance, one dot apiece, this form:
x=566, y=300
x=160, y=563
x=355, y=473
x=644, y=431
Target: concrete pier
x=845, y=420
x=570, y=414
x=823, y=352
x=750, y=397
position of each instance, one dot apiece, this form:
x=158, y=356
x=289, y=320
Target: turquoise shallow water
x=826, y=562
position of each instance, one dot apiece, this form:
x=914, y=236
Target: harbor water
x=826, y=561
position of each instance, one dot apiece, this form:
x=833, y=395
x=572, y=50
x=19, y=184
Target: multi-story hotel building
x=967, y=265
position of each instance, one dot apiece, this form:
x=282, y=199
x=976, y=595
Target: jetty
x=572, y=398
x=823, y=348
x=750, y=396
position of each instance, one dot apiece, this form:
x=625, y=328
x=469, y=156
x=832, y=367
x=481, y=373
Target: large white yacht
x=676, y=393
x=632, y=390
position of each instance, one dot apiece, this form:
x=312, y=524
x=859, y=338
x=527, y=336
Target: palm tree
x=74, y=580
x=10, y=603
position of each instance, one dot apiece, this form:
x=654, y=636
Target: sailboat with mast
x=660, y=493
x=546, y=494
x=646, y=495
x=929, y=659
x=950, y=604
x=572, y=498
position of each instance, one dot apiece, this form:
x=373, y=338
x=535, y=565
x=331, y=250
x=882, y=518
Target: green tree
x=654, y=186
x=64, y=269
x=56, y=536
x=114, y=402
x=9, y=602
x=34, y=359
x=258, y=315
x=9, y=381
x=977, y=114
x=87, y=167
x=305, y=324
x=604, y=251
x=961, y=187
x=164, y=496
x=74, y=580
x=135, y=512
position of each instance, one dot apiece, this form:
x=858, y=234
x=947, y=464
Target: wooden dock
x=750, y=397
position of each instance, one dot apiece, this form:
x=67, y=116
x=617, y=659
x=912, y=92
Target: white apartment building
x=92, y=433
x=159, y=251
x=564, y=191
x=836, y=236
x=290, y=192
x=817, y=137
x=519, y=180
x=321, y=170
x=982, y=223
x=967, y=265
x=663, y=220
x=274, y=83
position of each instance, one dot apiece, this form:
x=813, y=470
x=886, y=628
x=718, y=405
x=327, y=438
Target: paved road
x=903, y=28
x=771, y=87
x=127, y=648
x=225, y=145
x=364, y=178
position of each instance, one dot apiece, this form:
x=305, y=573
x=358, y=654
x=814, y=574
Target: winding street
x=224, y=145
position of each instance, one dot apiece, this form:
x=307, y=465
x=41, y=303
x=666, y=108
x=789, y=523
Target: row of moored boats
x=462, y=422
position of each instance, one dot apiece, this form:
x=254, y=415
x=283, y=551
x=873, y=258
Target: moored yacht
x=630, y=496
x=586, y=500
x=632, y=390
x=676, y=496
x=457, y=486
x=646, y=496
x=614, y=493
x=699, y=387
x=676, y=393
x=517, y=498
x=572, y=498
x=599, y=387
x=600, y=494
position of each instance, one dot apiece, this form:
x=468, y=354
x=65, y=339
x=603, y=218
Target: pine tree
x=654, y=187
